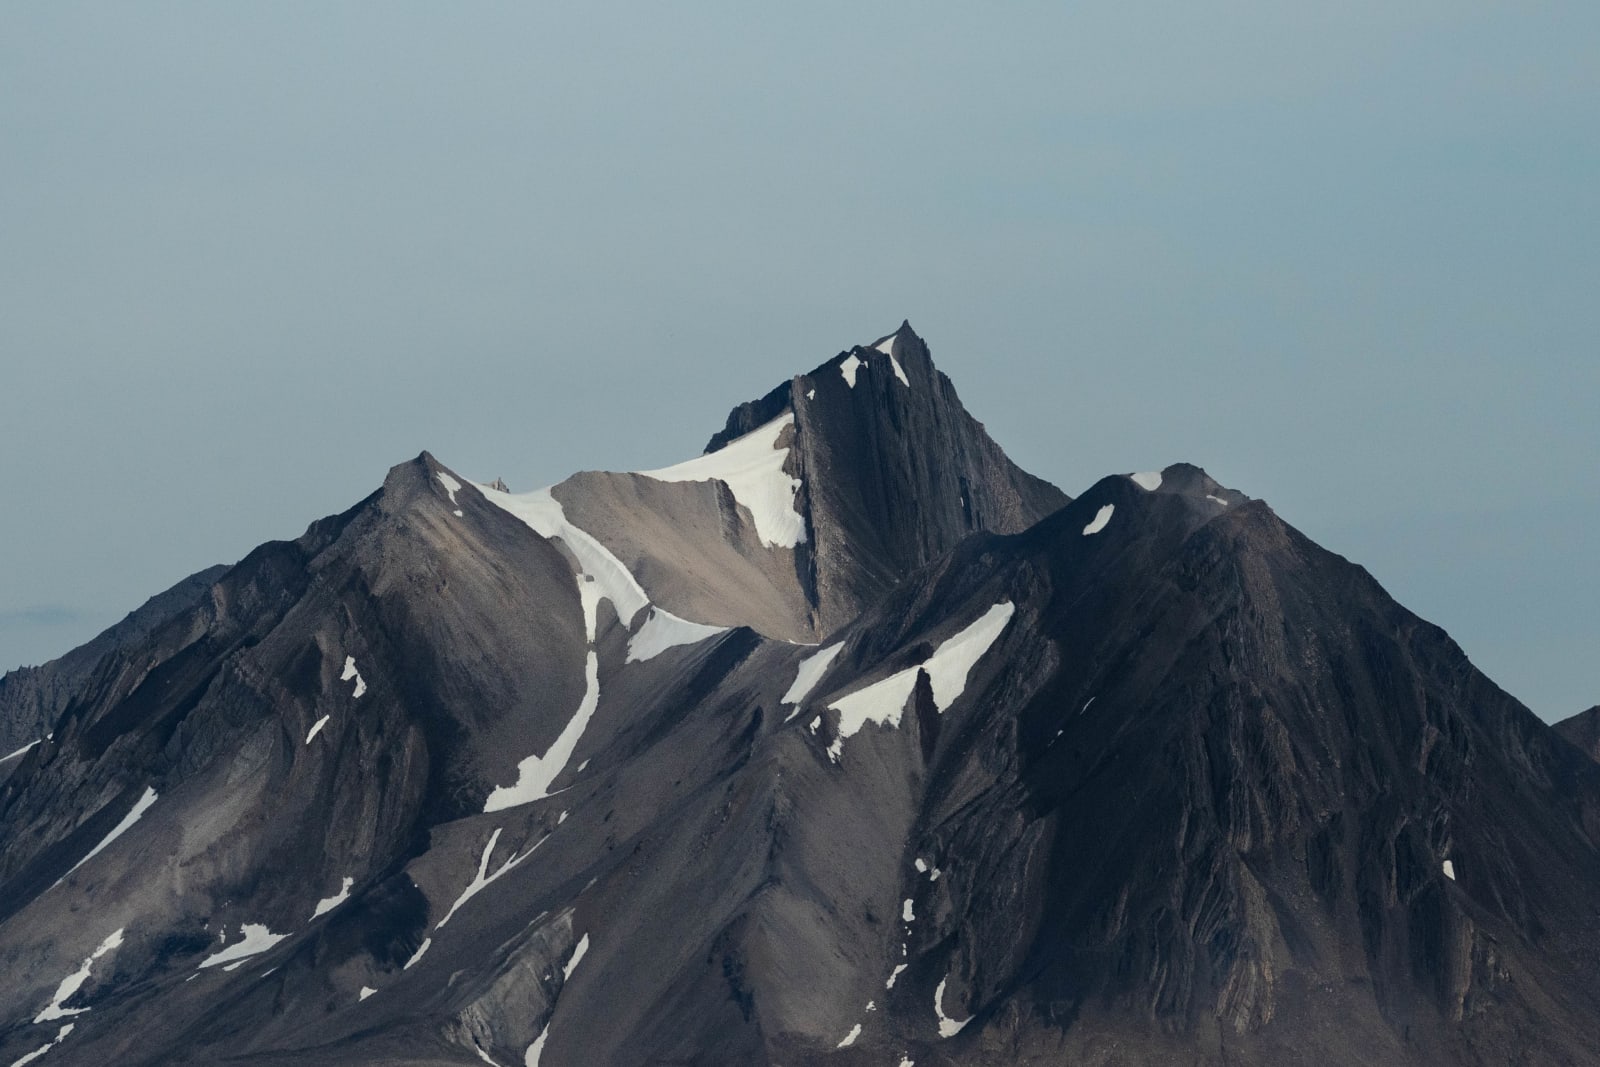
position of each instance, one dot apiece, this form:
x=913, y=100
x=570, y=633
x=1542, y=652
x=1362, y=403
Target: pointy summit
x=815, y=499
x=846, y=743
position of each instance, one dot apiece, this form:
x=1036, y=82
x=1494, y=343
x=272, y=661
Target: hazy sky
x=1345, y=256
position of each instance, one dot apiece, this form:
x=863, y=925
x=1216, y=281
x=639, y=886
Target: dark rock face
x=1583, y=730
x=1148, y=778
x=893, y=473
x=31, y=698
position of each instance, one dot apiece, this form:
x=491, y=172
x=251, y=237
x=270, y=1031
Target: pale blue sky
x=1344, y=256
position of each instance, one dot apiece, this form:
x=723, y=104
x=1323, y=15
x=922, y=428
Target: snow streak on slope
x=483, y=879
x=948, y=1027
x=535, y=773
x=950, y=664
x=601, y=576
x=542, y=511
x=19, y=752
x=886, y=346
x=121, y=828
x=257, y=939
x=73, y=982
x=61, y=1035
x=664, y=630
x=327, y=904
x=883, y=701
x=451, y=486
x=849, y=367
x=578, y=953
x=1101, y=517
x=535, y=1050
x=351, y=672
x=808, y=674
x=752, y=468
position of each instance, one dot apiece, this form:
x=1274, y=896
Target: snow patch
x=849, y=367
x=416, y=956
x=811, y=394
x=1449, y=870
x=18, y=752
x=947, y=1027
x=316, y=728
x=907, y=912
x=535, y=773
x=257, y=939
x=884, y=701
x=366, y=991
x=139, y=808
x=752, y=468
x=808, y=674
x=327, y=904
x=1101, y=517
x=953, y=661
x=886, y=346
x=590, y=594
x=451, y=486
x=483, y=879
x=922, y=867
x=578, y=953
x=61, y=1035
x=1150, y=480
x=663, y=630
x=1218, y=499
x=73, y=982
x=542, y=512
x=895, y=974
x=535, y=1050
x=484, y=1056
x=836, y=749
x=850, y=1038
x=351, y=672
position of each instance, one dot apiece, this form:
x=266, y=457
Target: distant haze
x=1345, y=257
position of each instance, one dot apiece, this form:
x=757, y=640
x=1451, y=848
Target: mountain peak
x=837, y=483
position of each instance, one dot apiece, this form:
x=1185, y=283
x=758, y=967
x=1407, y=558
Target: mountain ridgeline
x=848, y=742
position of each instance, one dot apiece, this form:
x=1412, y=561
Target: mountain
x=32, y=698
x=464, y=775
x=1583, y=730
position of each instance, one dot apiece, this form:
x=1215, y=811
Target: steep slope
x=1154, y=779
x=883, y=471
x=31, y=698
x=1583, y=730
